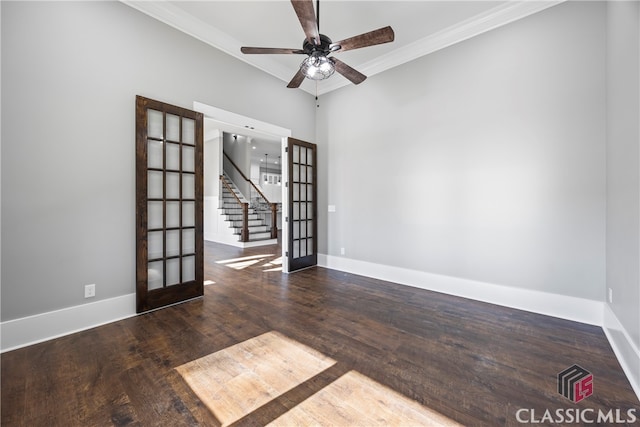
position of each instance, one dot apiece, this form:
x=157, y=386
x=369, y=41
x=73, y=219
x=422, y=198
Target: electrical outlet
x=342, y=251
x=610, y=295
x=90, y=291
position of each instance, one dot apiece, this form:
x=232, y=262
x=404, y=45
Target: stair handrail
x=244, y=235
x=274, y=206
x=247, y=179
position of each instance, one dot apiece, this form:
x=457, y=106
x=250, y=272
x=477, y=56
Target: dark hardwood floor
x=475, y=363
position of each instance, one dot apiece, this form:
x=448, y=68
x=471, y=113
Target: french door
x=169, y=218
x=303, y=207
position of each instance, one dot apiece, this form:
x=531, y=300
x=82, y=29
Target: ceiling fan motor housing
x=324, y=46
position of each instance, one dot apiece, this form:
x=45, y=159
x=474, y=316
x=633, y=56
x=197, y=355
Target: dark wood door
x=303, y=207
x=169, y=218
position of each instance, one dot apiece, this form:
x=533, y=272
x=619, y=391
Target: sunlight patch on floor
x=238, y=380
x=244, y=262
x=241, y=265
x=273, y=265
x=246, y=258
x=277, y=261
x=357, y=400
x=209, y=282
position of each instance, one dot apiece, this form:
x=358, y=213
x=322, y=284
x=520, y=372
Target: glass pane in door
x=173, y=156
x=173, y=128
x=155, y=124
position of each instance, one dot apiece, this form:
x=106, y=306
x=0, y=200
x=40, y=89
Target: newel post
x=245, y=222
x=274, y=221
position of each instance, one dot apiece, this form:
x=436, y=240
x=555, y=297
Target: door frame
x=238, y=123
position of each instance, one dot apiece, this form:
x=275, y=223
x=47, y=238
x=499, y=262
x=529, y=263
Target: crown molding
x=496, y=17
x=175, y=17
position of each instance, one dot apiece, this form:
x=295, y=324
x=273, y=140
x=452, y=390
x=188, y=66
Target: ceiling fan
x=318, y=65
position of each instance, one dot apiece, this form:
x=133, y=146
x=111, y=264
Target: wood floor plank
x=471, y=362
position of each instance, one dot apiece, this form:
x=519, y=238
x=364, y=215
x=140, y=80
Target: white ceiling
x=420, y=27
x=260, y=147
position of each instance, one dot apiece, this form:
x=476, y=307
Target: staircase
x=232, y=212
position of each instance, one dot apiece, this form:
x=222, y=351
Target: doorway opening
x=220, y=126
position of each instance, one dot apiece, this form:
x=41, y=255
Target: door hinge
x=286, y=149
x=286, y=254
x=286, y=219
x=286, y=184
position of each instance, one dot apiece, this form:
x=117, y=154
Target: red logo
x=575, y=383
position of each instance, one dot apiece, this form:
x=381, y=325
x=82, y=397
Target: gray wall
x=70, y=73
x=484, y=161
x=623, y=164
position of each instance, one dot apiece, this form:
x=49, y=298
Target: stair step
x=238, y=212
x=226, y=194
x=235, y=209
x=232, y=200
x=252, y=223
x=239, y=217
x=258, y=236
x=252, y=229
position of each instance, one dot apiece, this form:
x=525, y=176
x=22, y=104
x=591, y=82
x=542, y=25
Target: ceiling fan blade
x=297, y=80
x=353, y=75
x=270, y=50
x=307, y=17
x=372, y=38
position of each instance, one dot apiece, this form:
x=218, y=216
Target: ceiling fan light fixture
x=317, y=66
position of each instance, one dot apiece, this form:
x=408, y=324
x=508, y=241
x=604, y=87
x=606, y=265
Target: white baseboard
x=223, y=238
x=623, y=346
x=562, y=306
x=234, y=242
x=43, y=327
